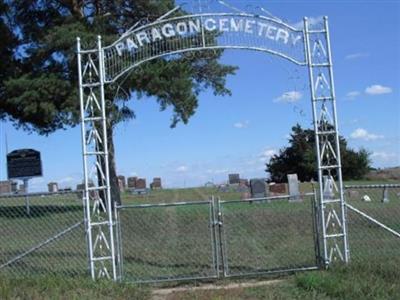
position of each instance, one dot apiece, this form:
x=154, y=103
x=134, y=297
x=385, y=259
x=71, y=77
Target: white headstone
x=294, y=191
x=366, y=198
x=328, y=187
x=385, y=198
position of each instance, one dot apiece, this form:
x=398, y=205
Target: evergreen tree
x=41, y=94
x=299, y=157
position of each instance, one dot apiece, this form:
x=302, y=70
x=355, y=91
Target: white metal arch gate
x=98, y=67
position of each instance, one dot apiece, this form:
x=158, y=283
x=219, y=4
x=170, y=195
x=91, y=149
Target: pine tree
x=41, y=94
x=299, y=157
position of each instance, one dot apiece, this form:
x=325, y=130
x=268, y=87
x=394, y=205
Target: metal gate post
x=214, y=236
x=323, y=97
x=98, y=212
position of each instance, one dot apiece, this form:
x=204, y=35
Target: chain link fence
x=42, y=234
x=373, y=215
x=164, y=242
x=211, y=239
x=268, y=235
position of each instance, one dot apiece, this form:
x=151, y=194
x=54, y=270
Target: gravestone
x=234, y=179
x=329, y=193
x=5, y=187
x=352, y=194
x=132, y=182
x=52, y=187
x=244, y=182
x=122, y=182
x=294, y=191
x=366, y=198
x=156, y=184
x=80, y=188
x=141, y=184
x=14, y=187
x=258, y=188
x=385, y=196
x=278, y=188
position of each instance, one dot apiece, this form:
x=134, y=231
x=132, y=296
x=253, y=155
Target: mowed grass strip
x=353, y=282
x=82, y=288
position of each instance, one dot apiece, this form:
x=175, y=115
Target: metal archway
x=166, y=36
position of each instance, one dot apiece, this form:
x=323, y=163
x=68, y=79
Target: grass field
x=355, y=282
x=175, y=242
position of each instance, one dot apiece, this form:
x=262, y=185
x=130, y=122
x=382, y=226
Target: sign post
x=28, y=209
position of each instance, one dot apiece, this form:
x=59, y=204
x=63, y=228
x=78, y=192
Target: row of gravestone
x=384, y=197
x=135, y=183
x=259, y=188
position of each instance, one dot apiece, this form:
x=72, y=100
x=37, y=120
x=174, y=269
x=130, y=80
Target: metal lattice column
x=97, y=195
x=331, y=192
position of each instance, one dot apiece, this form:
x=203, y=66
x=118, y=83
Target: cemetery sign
x=24, y=163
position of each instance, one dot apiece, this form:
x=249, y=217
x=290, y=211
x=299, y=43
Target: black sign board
x=24, y=163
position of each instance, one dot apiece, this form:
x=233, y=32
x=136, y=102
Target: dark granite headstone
x=234, y=179
x=258, y=188
x=141, y=184
x=122, y=182
x=132, y=182
x=156, y=184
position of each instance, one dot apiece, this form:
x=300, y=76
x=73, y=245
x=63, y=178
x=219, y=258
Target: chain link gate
x=214, y=239
x=173, y=35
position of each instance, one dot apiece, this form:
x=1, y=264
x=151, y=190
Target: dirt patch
x=162, y=294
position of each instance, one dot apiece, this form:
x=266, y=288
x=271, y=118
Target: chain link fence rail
x=42, y=234
x=373, y=213
x=271, y=235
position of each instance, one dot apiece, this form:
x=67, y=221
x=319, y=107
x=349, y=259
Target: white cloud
x=378, y=89
x=182, y=169
x=384, y=156
x=267, y=154
x=312, y=22
x=289, y=97
x=352, y=95
x=362, y=134
x=241, y=125
x=67, y=179
x=357, y=55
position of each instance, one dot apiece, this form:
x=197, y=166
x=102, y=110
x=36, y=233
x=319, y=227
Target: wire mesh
x=268, y=235
x=42, y=234
x=373, y=223
x=166, y=242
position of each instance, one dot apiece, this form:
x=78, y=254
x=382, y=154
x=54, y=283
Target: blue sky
x=240, y=133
